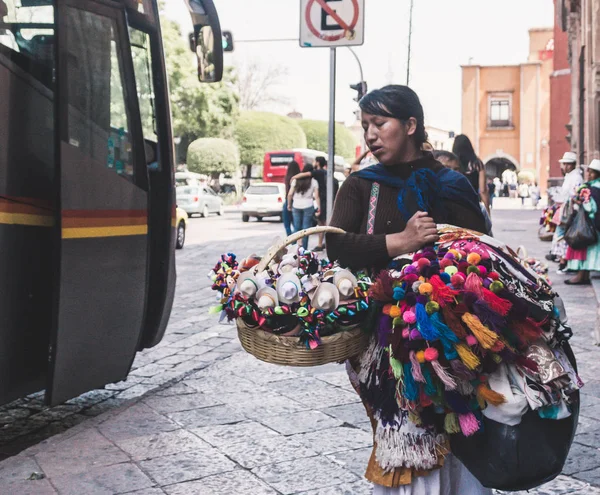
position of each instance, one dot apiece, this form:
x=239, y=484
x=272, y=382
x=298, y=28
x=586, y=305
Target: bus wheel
x=180, y=235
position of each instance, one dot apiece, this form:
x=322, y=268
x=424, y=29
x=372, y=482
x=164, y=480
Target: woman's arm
x=290, y=196
x=483, y=190
x=302, y=175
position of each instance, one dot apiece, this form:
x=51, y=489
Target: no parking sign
x=332, y=23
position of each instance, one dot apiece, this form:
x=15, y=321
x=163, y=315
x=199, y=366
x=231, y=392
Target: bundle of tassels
x=449, y=317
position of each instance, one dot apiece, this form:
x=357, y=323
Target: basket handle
x=296, y=236
x=522, y=252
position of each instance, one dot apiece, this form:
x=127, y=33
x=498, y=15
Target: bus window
x=142, y=66
x=96, y=78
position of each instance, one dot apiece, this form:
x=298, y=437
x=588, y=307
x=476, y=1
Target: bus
x=87, y=190
x=276, y=162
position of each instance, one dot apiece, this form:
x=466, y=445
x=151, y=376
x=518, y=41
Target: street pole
x=331, y=161
x=412, y=2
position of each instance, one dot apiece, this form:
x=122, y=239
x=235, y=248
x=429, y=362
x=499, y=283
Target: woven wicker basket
x=544, y=235
x=289, y=351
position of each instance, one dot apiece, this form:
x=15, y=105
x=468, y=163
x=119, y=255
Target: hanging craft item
x=293, y=308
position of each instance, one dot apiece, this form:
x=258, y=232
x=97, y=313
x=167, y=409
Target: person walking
x=523, y=193
x=534, y=193
x=472, y=167
x=588, y=198
x=302, y=198
x=387, y=210
x=573, y=179
x=286, y=214
x=491, y=188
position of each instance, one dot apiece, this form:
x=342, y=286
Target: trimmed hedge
x=317, y=137
x=212, y=156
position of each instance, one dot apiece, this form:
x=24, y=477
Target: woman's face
x=593, y=174
x=388, y=138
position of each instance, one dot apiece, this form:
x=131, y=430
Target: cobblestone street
x=197, y=415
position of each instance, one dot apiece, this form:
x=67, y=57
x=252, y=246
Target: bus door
x=102, y=221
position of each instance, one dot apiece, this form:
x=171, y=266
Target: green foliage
x=199, y=110
x=317, y=137
x=259, y=132
x=212, y=156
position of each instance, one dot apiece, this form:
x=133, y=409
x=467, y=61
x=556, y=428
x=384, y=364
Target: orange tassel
x=454, y=323
x=483, y=334
x=496, y=303
x=485, y=393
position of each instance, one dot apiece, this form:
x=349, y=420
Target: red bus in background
x=276, y=162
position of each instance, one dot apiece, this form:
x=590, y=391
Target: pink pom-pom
x=411, y=278
x=457, y=280
x=431, y=354
x=406, y=333
x=483, y=271
x=423, y=262
x=445, y=262
x=409, y=317
x=471, y=340
x=468, y=424
x=415, y=334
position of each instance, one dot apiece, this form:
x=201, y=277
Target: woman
x=302, y=198
x=472, y=167
x=588, y=198
x=286, y=215
x=387, y=210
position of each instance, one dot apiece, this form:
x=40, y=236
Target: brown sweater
x=357, y=249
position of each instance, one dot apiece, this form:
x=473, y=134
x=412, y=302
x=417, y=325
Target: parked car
x=182, y=218
x=263, y=199
x=199, y=200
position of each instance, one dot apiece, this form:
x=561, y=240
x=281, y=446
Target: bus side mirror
x=206, y=40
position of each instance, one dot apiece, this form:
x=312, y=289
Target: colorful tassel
x=468, y=424
x=430, y=388
x=485, y=393
x=461, y=371
x=451, y=424
x=467, y=356
x=464, y=388
x=473, y=284
x=527, y=331
x=396, y=366
x=441, y=293
x=445, y=332
x=484, y=335
x=447, y=379
x=454, y=323
x=411, y=389
x=424, y=325
x=496, y=303
x=416, y=368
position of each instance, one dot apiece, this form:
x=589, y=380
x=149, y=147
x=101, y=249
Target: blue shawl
x=429, y=188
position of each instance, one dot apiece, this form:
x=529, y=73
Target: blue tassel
x=444, y=330
x=399, y=293
x=430, y=388
x=411, y=390
x=424, y=324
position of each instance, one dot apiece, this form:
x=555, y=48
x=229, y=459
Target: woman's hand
x=420, y=231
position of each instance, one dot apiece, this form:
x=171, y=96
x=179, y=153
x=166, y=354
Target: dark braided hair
x=398, y=102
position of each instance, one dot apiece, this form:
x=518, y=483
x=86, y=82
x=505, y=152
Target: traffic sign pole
x=331, y=160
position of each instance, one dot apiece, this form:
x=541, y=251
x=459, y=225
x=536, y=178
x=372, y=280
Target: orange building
x=506, y=110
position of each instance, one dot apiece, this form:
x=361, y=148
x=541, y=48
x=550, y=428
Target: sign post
x=331, y=23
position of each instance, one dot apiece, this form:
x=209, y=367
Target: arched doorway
x=496, y=166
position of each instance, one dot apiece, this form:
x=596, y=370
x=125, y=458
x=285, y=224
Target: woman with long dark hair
x=388, y=210
x=472, y=167
x=286, y=215
x=302, y=198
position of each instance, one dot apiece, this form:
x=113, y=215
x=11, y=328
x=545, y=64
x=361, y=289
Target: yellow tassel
x=466, y=356
x=490, y=396
x=483, y=334
x=451, y=424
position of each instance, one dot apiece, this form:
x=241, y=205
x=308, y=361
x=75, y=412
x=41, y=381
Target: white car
x=199, y=200
x=263, y=199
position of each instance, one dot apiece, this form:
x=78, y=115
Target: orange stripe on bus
x=103, y=222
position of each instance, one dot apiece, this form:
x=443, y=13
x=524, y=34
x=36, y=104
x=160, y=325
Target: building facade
x=506, y=110
x=580, y=19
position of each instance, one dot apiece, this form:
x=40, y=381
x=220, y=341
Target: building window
x=500, y=111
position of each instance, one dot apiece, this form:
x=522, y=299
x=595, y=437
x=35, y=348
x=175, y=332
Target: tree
x=199, y=110
x=259, y=132
x=317, y=137
x=256, y=84
x=213, y=156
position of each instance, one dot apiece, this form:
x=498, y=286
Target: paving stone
x=106, y=480
x=335, y=439
x=222, y=384
x=136, y=421
x=151, y=370
x=244, y=431
x=79, y=453
x=135, y=391
x=362, y=487
x=260, y=406
x=581, y=458
x=337, y=378
x=175, y=359
x=254, y=452
x=591, y=439
x=310, y=474
x=323, y=396
x=184, y=403
x=217, y=415
x=354, y=414
x=231, y=483
x=187, y=466
x=559, y=486
x=353, y=460
x=196, y=350
x=303, y=422
x=162, y=378
x=148, y=491
x=161, y=444
x=592, y=476
x=181, y=388
x=587, y=425
x=14, y=474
